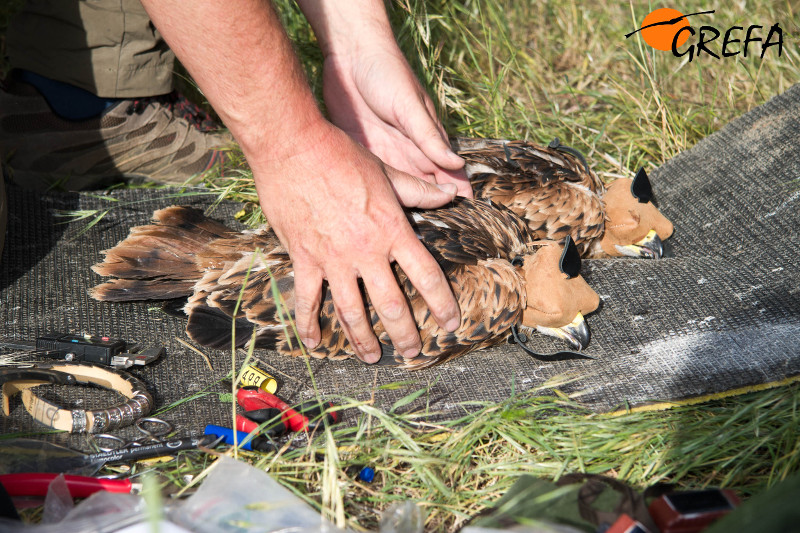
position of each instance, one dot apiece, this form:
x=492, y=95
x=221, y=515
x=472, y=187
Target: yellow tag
x=255, y=377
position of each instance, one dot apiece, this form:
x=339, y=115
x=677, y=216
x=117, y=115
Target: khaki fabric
x=108, y=47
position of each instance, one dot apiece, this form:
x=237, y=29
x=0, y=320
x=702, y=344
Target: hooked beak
x=650, y=247
x=576, y=333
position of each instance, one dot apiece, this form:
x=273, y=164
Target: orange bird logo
x=660, y=27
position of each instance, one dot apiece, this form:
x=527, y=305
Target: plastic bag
x=58, y=502
x=102, y=512
x=404, y=517
x=235, y=497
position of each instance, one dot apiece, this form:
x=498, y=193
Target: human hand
x=335, y=207
x=332, y=203
x=375, y=98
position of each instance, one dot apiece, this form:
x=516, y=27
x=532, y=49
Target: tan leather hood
x=628, y=220
x=553, y=299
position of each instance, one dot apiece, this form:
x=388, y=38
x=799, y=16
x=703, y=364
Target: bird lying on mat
x=504, y=282
x=554, y=189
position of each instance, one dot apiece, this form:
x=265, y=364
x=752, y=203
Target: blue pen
x=258, y=444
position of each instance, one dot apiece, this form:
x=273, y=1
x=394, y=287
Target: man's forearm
x=239, y=54
x=333, y=205
x=352, y=25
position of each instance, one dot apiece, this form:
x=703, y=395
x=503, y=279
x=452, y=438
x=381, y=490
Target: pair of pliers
x=260, y=405
x=37, y=483
x=253, y=420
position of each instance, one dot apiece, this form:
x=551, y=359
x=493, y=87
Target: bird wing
x=467, y=239
x=491, y=297
x=238, y=279
x=501, y=167
x=158, y=261
x=561, y=210
x=469, y=231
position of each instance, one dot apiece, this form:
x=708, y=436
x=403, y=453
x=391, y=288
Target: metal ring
x=114, y=417
x=166, y=427
x=139, y=409
x=107, y=436
x=128, y=413
x=78, y=421
x=100, y=420
x=145, y=401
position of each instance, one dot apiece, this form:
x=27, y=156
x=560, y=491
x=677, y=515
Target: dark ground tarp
x=723, y=313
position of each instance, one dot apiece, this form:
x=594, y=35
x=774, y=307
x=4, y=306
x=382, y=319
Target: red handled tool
x=36, y=484
x=306, y=416
x=252, y=420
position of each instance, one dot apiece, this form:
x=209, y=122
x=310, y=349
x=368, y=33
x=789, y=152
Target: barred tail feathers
x=157, y=261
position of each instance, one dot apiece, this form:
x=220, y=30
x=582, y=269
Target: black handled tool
x=88, y=348
x=30, y=455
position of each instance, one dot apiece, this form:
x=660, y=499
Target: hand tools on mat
x=30, y=455
x=271, y=418
x=37, y=483
x=101, y=350
x=240, y=439
x=266, y=417
x=308, y=415
x=24, y=380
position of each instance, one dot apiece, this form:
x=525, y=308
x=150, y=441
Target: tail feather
x=123, y=290
x=157, y=261
x=191, y=219
x=212, y=327
x=187, y=237
x=147, y=258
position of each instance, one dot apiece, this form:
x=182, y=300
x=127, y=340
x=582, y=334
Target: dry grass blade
x=198, y=352
x=537, y=70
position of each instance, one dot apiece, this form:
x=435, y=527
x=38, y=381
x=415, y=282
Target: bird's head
x=557, y=295
x=634, y=227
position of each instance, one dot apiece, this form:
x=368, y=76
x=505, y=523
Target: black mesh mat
x=722, y=313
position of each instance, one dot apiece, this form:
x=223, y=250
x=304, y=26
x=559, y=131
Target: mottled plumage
x=556, y=192
x=185, y=254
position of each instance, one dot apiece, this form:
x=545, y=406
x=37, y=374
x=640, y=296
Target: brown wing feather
x=513, y=165
x=560, y=210
x=550, y=189
x=234, y=284
x=161, y=255
x=471, y=230
x=491, y=296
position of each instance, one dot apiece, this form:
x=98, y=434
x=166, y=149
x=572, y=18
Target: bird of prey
x=557, y=193
x=504, y=279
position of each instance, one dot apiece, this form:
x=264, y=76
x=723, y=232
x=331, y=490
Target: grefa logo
x=669, y=29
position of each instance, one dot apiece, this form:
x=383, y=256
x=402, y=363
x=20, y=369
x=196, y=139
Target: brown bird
x=554, y=189
x=503, y=281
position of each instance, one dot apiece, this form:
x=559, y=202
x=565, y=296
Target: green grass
x=456, y=469
x=536, y=70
